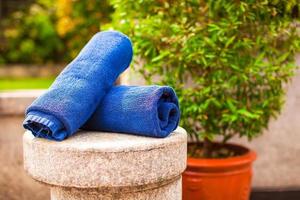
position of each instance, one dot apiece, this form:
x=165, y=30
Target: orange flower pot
x=219, y=179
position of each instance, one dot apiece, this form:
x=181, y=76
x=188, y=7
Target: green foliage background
x=50, y=31
x=227, y=60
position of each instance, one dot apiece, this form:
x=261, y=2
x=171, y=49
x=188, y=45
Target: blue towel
x=142, y=110
x=78, y=90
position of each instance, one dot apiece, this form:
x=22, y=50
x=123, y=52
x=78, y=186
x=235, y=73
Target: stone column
x=108, y=166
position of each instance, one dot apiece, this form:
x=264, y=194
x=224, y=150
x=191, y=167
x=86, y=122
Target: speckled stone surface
x=108, y=165
x=171, y=190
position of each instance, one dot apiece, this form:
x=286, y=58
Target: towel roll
x=142, y=110
x=78, y=90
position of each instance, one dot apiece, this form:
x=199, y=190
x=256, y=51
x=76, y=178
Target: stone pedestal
x=108, y=166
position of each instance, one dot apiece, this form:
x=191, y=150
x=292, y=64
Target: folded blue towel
x=142, y=110
x=78, y=90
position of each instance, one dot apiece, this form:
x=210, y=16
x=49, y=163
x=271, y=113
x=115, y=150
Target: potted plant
x=227, y=61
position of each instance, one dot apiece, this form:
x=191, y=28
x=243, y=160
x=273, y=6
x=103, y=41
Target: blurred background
x=38, y=38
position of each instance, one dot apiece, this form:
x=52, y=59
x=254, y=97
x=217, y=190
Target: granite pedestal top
x=104, y=160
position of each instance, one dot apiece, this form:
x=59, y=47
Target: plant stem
x=207, y=148
x=227, y=137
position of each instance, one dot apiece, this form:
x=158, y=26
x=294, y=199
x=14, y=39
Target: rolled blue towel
x=142, y=110
x=78, y=90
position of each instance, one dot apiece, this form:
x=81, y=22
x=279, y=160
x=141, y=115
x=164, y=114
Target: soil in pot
x=215, y=150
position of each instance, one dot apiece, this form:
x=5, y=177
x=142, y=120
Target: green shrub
x=30, y=36
x=227, y=60
x=79, y=20
x=51, y=31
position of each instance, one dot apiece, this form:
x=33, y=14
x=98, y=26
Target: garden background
x=38, y=38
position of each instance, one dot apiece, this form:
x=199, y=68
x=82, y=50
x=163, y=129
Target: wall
x=21, y=71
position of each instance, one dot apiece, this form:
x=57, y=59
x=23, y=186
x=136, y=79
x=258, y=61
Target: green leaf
x=229, y=41
x=160, y=56
x=247, y=114
x=230, y=105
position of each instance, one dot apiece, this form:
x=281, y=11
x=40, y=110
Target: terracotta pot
x=219, y=179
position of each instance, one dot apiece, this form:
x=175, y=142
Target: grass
x=25, y=83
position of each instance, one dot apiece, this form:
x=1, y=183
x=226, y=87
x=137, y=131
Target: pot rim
x=239, y=160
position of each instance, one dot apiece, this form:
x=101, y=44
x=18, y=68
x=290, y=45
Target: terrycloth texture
x=142, y=110
x=78, y=90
